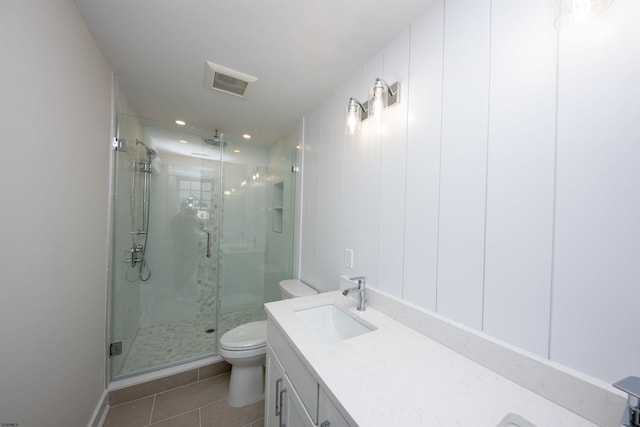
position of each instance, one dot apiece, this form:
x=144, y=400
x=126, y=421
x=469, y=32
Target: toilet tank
x=293, y=288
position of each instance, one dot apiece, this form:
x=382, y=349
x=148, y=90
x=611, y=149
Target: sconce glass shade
x=578, y=13
x=354, y=117
x=379, y=98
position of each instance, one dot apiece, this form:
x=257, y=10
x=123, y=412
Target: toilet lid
x=245, y=337
x=296, y=288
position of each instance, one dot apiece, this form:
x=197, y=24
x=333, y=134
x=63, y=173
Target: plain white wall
x=55, y=120
x=503, y=191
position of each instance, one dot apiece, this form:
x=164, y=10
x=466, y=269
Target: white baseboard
x=101, y=411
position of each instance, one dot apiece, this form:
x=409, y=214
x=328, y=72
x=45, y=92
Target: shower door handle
x=208, y=244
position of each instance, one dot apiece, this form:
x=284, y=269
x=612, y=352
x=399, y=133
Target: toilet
x=244, y=348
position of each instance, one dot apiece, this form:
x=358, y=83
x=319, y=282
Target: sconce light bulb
x=352, y=120
x=352, y=123
x=578, y=13
x=377, y=105
x=379, y=93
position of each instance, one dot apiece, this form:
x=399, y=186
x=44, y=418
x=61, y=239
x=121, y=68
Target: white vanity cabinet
x=293, y=396
x=328, y=414
x=283, y=407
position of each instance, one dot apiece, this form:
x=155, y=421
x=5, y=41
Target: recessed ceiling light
x=236, y=151
x=183, y=141
x=246, y=136
x=181, y=122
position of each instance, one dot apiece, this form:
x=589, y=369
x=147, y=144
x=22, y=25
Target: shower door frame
x=114, y=257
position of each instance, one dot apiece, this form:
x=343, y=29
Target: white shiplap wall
x=520, y=190
x=503, y=191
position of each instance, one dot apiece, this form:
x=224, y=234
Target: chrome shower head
x=217, y=139
x=151, y=153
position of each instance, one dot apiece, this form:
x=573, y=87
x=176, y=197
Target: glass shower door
x=165, y=263
x=256, y=249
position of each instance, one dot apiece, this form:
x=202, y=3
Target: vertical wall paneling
x=322, y=189
x=368, y=181
x=464, y=151
x=331, y=148
x=520, y=173
x=423, y=158
x=352, y=168
x=393, y=161
x=521, y=206
x=596, y=266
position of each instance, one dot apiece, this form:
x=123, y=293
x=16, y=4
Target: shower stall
x=202, y=234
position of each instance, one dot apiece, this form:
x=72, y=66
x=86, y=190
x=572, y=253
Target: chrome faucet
x=360, y=289
x=631, y=386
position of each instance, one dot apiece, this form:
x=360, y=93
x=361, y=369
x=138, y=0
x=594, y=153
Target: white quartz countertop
x=395, y=376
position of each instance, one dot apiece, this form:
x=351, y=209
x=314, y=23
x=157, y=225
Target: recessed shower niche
x=278, y=206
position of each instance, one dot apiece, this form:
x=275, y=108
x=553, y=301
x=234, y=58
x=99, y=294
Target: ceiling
x=298, y=49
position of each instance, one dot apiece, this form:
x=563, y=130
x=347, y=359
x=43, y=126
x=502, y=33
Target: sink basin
x=514, y=420
x=332, y=323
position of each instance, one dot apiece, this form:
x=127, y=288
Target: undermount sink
x=332, y=323
x=514, y=420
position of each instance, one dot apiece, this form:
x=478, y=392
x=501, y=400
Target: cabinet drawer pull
x=283, y=394
x=278, y=397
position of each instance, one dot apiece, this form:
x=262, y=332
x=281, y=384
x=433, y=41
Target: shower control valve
x=137, y=255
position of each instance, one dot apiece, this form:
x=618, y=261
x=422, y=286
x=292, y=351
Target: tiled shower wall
x=502, y=191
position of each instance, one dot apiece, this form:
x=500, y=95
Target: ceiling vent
x=226, y=80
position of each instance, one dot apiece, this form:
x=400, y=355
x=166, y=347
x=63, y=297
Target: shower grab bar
x=208, y=244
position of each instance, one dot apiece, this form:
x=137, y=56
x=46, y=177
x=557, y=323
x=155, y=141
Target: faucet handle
x=631, y=386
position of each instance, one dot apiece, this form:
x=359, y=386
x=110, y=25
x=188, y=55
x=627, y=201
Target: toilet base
x=246, y=385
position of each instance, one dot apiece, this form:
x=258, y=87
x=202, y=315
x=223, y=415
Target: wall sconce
x=382, y=95
x=356, y=113
x=578, y=13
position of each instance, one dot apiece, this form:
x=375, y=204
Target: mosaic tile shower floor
x=169, y=343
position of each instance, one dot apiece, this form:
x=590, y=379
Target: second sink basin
x=332, y=323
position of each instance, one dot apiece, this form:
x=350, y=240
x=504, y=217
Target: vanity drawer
x=304, y=383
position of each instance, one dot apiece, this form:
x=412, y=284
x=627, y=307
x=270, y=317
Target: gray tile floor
x=200, y=404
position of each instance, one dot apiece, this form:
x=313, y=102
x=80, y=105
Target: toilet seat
x=250, y=336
